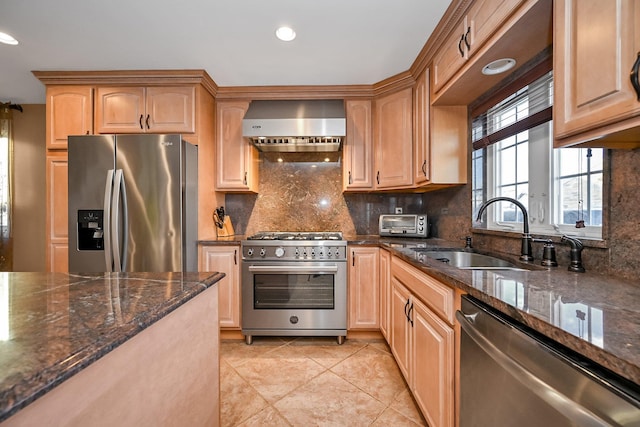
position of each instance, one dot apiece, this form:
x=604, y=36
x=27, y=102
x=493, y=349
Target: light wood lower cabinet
x=423, y=340
x=224, y=259
x=364, y=294
x=385, y=293
x=57, y=246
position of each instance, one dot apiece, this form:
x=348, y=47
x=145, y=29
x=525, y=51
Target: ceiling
x=338, y=42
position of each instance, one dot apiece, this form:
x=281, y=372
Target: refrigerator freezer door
x=152, y=172
x=90, y=160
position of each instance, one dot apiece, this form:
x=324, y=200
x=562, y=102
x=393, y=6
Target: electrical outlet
x=398, y=210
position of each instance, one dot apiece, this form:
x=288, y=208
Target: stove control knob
x=337, y=252
x=297, y=253
x=279, y=252
x=250, y=252
x=313, y=252
x=263, y=252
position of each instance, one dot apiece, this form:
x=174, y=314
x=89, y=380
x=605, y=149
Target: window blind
x=525, y=109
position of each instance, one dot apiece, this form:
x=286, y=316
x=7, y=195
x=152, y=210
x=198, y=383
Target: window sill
x=587, y=242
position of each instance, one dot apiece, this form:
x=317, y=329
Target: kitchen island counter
x=592, y=314
x=55, y=326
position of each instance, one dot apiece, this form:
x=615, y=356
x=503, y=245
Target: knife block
x=227, y=228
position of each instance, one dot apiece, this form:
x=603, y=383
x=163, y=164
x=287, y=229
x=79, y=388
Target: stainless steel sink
x=470, y=260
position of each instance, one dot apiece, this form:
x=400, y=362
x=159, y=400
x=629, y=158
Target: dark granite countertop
x=595, y=315
x=53, y=325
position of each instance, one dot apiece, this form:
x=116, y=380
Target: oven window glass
x=302, y=291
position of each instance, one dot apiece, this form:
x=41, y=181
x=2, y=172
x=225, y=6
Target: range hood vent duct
x=295, y=125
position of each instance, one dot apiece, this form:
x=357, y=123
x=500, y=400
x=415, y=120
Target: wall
x=29, y=189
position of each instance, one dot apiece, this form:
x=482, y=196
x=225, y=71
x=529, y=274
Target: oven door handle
x=292, y=269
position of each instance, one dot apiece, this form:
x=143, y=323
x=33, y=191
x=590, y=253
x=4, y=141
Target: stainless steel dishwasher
x=512, y=376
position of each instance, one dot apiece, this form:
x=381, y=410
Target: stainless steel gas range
x=294, y=284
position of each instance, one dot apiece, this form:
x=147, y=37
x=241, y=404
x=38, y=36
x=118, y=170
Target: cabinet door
x=69, y=112
x=393, y=140
x=120, y=110
x=432, y=366
x=364, y=291
x=225, y=260
x=421, y=150
x=57, y=208
x=400, y=327
x=170, y=109
x=358, y=146
x=450, y=57
x=484, y=18
x=235, y=157
x=595, y=46
x=385, y=294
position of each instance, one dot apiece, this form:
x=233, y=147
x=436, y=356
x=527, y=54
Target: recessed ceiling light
x=498, y=66
x=286, y=34
x=7, y=39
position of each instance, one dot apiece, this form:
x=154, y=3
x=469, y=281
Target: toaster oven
x=403, y=225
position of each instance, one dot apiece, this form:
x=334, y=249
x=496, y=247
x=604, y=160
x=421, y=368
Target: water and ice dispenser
x=90, y=230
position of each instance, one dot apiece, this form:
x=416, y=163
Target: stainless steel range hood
x=295, y=125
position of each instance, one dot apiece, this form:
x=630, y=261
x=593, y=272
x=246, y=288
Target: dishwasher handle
x=572, y=410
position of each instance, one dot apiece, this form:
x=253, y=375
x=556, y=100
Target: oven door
x=294, y=296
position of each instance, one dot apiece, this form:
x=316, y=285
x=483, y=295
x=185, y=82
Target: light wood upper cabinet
x=421, y=126
x=133, y=109
x=56, y=220
x=595, y=46
x=236, y=157
x=224, y=259
x=364, y=293
x=69, y=111
x=473, y=30
x=358, y=147
x=450, y=57
x=393, y=140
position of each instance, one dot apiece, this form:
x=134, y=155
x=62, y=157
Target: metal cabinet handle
x=634, y=76
x=378, y=177
x=235, y=257
x=405, y=309
x=460, y=45
x=409, y=315
x=466, y=38
x=141, y=127
x=353, y=258
x=424, y=167
x=244, y=181
x=350, y=181
x=147, y=121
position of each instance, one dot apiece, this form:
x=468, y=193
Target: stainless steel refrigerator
x=132, y=203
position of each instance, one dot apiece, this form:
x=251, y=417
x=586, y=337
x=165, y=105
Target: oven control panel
x=301, y=252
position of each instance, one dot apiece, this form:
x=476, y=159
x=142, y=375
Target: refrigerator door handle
x=125, y=222
x=119, y=260
x=108, y=190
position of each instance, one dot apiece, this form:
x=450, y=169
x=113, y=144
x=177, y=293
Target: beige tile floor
x=313, y=382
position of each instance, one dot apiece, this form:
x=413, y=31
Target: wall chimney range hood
x=295, y=125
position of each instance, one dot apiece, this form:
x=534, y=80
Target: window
x=514, y=157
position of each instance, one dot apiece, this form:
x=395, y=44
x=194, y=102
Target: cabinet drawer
x=436, y=295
